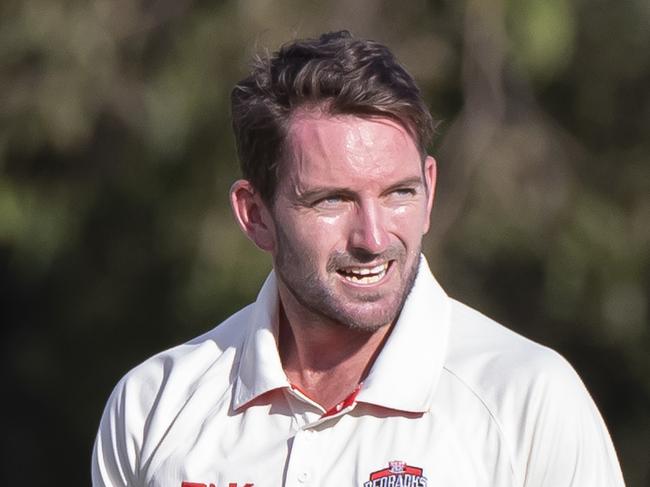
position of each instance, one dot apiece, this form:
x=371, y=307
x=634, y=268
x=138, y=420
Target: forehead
x=338, y=148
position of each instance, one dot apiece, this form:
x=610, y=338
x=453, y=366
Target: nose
x=369, y=234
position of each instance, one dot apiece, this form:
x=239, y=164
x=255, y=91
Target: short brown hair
x=341, y=74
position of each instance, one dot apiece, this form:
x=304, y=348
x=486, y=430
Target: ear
x=430, y=173
x=251, y=213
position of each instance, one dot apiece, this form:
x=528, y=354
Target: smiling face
x=347, y=222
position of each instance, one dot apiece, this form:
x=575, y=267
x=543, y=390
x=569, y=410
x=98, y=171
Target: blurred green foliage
x=116, y=156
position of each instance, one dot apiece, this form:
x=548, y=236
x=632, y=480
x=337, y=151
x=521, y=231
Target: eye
x=404, y=192
x=330, y=201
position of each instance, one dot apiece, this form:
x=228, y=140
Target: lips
x=364, y=275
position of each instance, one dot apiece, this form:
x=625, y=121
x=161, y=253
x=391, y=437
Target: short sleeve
x=113, y=461
x=116, y=454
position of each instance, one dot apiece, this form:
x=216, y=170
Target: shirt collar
x=405, y=373
x=260, y=368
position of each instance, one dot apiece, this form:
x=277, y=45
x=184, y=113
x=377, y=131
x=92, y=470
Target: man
x=352, y=367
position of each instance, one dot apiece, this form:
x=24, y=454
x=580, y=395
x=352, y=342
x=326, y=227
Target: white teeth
x=364, y=275
x=364, y=271
x=365, y=279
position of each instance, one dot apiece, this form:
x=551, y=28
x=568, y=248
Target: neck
x=327, y=360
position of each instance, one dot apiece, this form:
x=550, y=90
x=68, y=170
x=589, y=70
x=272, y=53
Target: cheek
x=329, y=221
x=325, y=231
x=318, y=234
x=409, y=219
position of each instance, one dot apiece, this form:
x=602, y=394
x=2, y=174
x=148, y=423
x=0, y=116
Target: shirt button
x=303, y=477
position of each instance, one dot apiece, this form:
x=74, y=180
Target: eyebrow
x=319, y=192
x=322, y=191
x=407, y=182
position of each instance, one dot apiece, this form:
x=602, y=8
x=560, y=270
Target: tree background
x=116, y=154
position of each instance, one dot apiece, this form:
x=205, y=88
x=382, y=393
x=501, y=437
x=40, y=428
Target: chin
x=368, y=320
x=366, y=327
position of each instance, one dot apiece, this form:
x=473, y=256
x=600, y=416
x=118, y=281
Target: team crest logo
x=398, y=474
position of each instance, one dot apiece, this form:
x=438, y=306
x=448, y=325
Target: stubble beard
x=320, y=298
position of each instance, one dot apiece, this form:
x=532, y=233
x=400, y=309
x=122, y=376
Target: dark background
x=116, y=239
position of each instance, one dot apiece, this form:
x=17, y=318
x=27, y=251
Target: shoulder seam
x=492, y=415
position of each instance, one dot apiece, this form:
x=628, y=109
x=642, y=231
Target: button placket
x=303, y=458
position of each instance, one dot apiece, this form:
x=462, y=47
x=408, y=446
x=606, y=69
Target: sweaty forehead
x=364, y=144
x=307, y=125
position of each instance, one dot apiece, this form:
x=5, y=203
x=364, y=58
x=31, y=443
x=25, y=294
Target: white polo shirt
x=453, y=399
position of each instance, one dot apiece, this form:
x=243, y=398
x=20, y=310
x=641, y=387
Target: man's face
x=350, y=210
